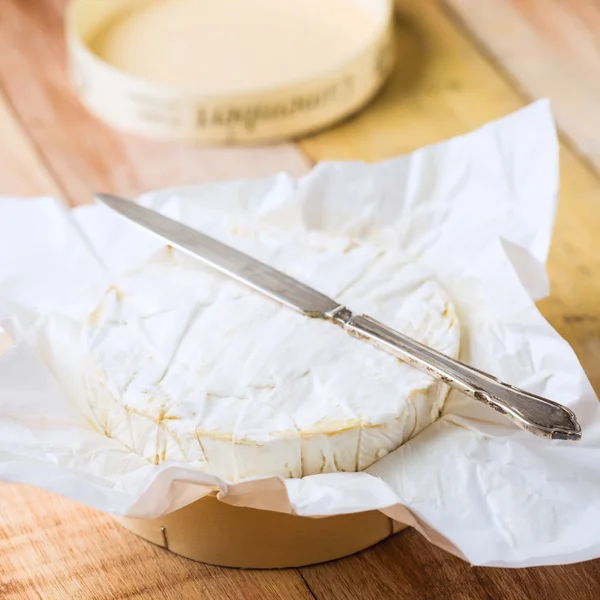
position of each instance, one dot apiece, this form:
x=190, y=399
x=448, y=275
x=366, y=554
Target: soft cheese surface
x=183, y=363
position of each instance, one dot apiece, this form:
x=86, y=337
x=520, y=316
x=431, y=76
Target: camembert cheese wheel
x=181, y=363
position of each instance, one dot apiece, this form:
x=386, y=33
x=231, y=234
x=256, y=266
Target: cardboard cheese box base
x=213, y=532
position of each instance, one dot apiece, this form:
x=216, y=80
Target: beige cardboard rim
x=162, y=111
x=217, y=533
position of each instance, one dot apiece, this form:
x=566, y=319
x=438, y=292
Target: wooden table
x=445, y=84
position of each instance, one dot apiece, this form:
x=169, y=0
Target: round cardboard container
x=164, y=111
x=213, y=532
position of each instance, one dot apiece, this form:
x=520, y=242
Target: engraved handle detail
x=533, y=413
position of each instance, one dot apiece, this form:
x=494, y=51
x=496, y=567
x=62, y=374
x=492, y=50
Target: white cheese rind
x=182, y=363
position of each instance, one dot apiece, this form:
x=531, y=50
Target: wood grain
x=21, y=169
x=551, y=48
x=407, y=566
x=51, y=548
x=48, y=551
x=442, y=86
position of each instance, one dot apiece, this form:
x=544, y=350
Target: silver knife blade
x=240, y=266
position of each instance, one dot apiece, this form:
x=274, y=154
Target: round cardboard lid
x=164, y=110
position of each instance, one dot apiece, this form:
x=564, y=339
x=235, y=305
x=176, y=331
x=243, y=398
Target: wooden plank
x=54, y=549
x=407, y=566
x=21, y=170
x=579, y=582
x=552, y=49
x=572, y=307
x=85, y=155
x=441, y=87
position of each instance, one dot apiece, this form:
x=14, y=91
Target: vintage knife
x=535, y=414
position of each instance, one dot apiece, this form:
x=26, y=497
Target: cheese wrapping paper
x=476, y=211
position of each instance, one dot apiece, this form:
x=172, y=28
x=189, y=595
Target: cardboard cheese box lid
x=132, y=74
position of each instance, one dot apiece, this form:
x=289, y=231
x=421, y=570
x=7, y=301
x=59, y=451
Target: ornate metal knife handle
x=533, y=413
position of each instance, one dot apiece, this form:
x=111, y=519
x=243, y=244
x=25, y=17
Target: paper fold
x=477, y=211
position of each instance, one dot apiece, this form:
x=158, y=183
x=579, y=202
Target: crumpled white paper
x=478, y=212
